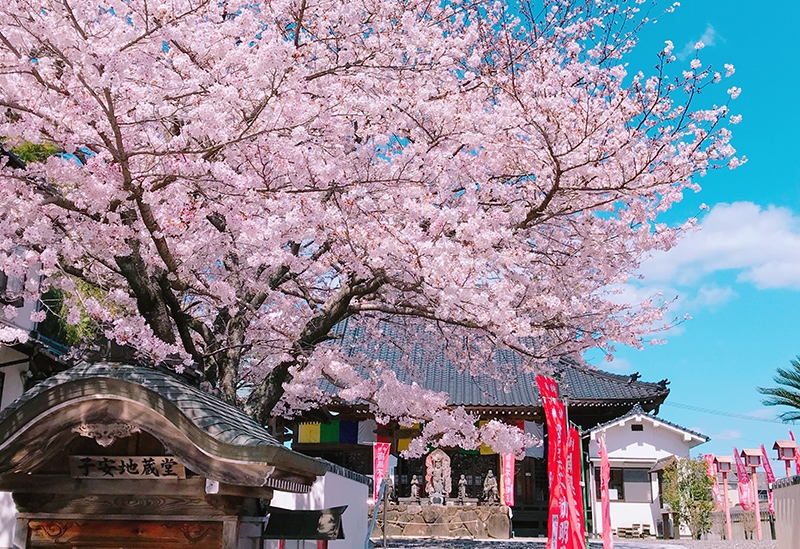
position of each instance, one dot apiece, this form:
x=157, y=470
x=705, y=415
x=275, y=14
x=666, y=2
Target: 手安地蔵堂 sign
x=126, y=467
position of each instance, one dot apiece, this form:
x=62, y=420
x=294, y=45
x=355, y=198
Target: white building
x=338, y=487
x=14, y=360
x=636, y=443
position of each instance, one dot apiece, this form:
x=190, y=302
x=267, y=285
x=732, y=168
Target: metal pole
x=385, y=505
x=585, y=493
x=375, y=514
x=772, y=525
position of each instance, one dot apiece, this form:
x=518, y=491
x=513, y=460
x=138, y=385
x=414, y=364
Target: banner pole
x=375, y=515
x=584, y=493
x=385, y=505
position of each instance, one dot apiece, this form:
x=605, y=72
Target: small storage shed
x=639, y=446
x=112, y=455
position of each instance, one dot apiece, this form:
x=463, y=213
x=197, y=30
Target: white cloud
x=763, y=244
x=763, y=413
x=708, y=38
x=709, y=295
x=729, y=434
x=617, y=366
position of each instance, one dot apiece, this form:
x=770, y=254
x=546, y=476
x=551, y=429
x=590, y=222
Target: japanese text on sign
x=126, y=467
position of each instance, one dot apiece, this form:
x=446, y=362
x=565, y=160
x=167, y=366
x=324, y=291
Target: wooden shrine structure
x=112, y=455
x=342, y=431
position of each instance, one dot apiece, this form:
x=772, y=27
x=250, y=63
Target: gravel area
x=708, y=544
x=539, y=543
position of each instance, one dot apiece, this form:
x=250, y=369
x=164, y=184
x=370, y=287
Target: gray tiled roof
x=434, y=371
x=222, y=421
x=636, y=411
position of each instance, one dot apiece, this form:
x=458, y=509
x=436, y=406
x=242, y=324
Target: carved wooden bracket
x=105, y=433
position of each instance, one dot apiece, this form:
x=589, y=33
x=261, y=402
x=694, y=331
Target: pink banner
x=711, y=471
x=745, y=492
x=605, y=503
x=770, y=478
x=380, y=465
x=507, y=479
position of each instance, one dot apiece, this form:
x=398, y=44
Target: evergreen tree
x=687, y=491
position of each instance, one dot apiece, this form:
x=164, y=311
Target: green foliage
x=35, y=152
x=787, y=393
x=57, y=304
x=687, y=490
x=53, y=327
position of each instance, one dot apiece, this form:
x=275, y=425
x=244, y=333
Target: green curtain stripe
x=329, y=432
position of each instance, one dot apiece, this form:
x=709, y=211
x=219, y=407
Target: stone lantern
x=752, y=459
x=787, y=450
x=724, y=465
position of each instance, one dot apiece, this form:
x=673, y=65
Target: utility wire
x=726, y=414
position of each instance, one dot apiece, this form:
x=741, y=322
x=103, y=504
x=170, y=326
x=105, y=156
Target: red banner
x=380, y=465
x=711, y=471
x=745, y=492
x=770, y=478
x=605, y=503
x=563, y=528
x=557, y=529
x=507, y=479
x=576, y=474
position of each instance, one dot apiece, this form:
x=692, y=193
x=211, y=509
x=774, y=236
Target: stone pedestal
x=445, y=521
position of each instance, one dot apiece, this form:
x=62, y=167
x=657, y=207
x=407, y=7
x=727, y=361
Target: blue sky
x=739, y=277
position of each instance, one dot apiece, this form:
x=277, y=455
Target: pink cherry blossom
x=235, y=182
x=12, y=336
x=38, y=316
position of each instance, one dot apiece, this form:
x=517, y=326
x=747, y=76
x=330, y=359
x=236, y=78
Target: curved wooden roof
x=211, y=437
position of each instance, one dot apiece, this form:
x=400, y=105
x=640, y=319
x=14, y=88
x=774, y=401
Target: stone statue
x=415, y=488
x=462, y=489
x=390, y=493
x=490, y=494
x=437, y=474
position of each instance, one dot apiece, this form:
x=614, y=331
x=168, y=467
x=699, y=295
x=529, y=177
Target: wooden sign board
x=126, y=467
x=131, y=534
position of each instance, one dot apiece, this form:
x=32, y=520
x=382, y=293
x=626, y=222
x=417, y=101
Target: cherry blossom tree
x=236, y=179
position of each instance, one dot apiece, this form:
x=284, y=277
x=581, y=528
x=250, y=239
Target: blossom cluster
x=233, y=181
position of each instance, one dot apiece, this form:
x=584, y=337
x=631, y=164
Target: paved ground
x=539, y=543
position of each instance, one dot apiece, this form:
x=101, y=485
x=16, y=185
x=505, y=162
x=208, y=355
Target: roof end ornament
x=105, y=433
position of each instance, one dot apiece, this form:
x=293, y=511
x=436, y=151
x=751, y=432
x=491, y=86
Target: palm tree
x=787, y=393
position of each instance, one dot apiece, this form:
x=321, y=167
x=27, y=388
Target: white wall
x=654, y=442
x=12, y=388
x=23, y=318
x=332, y=490
x=787, y=511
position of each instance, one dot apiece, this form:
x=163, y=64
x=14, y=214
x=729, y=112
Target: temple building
x=343, y=431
